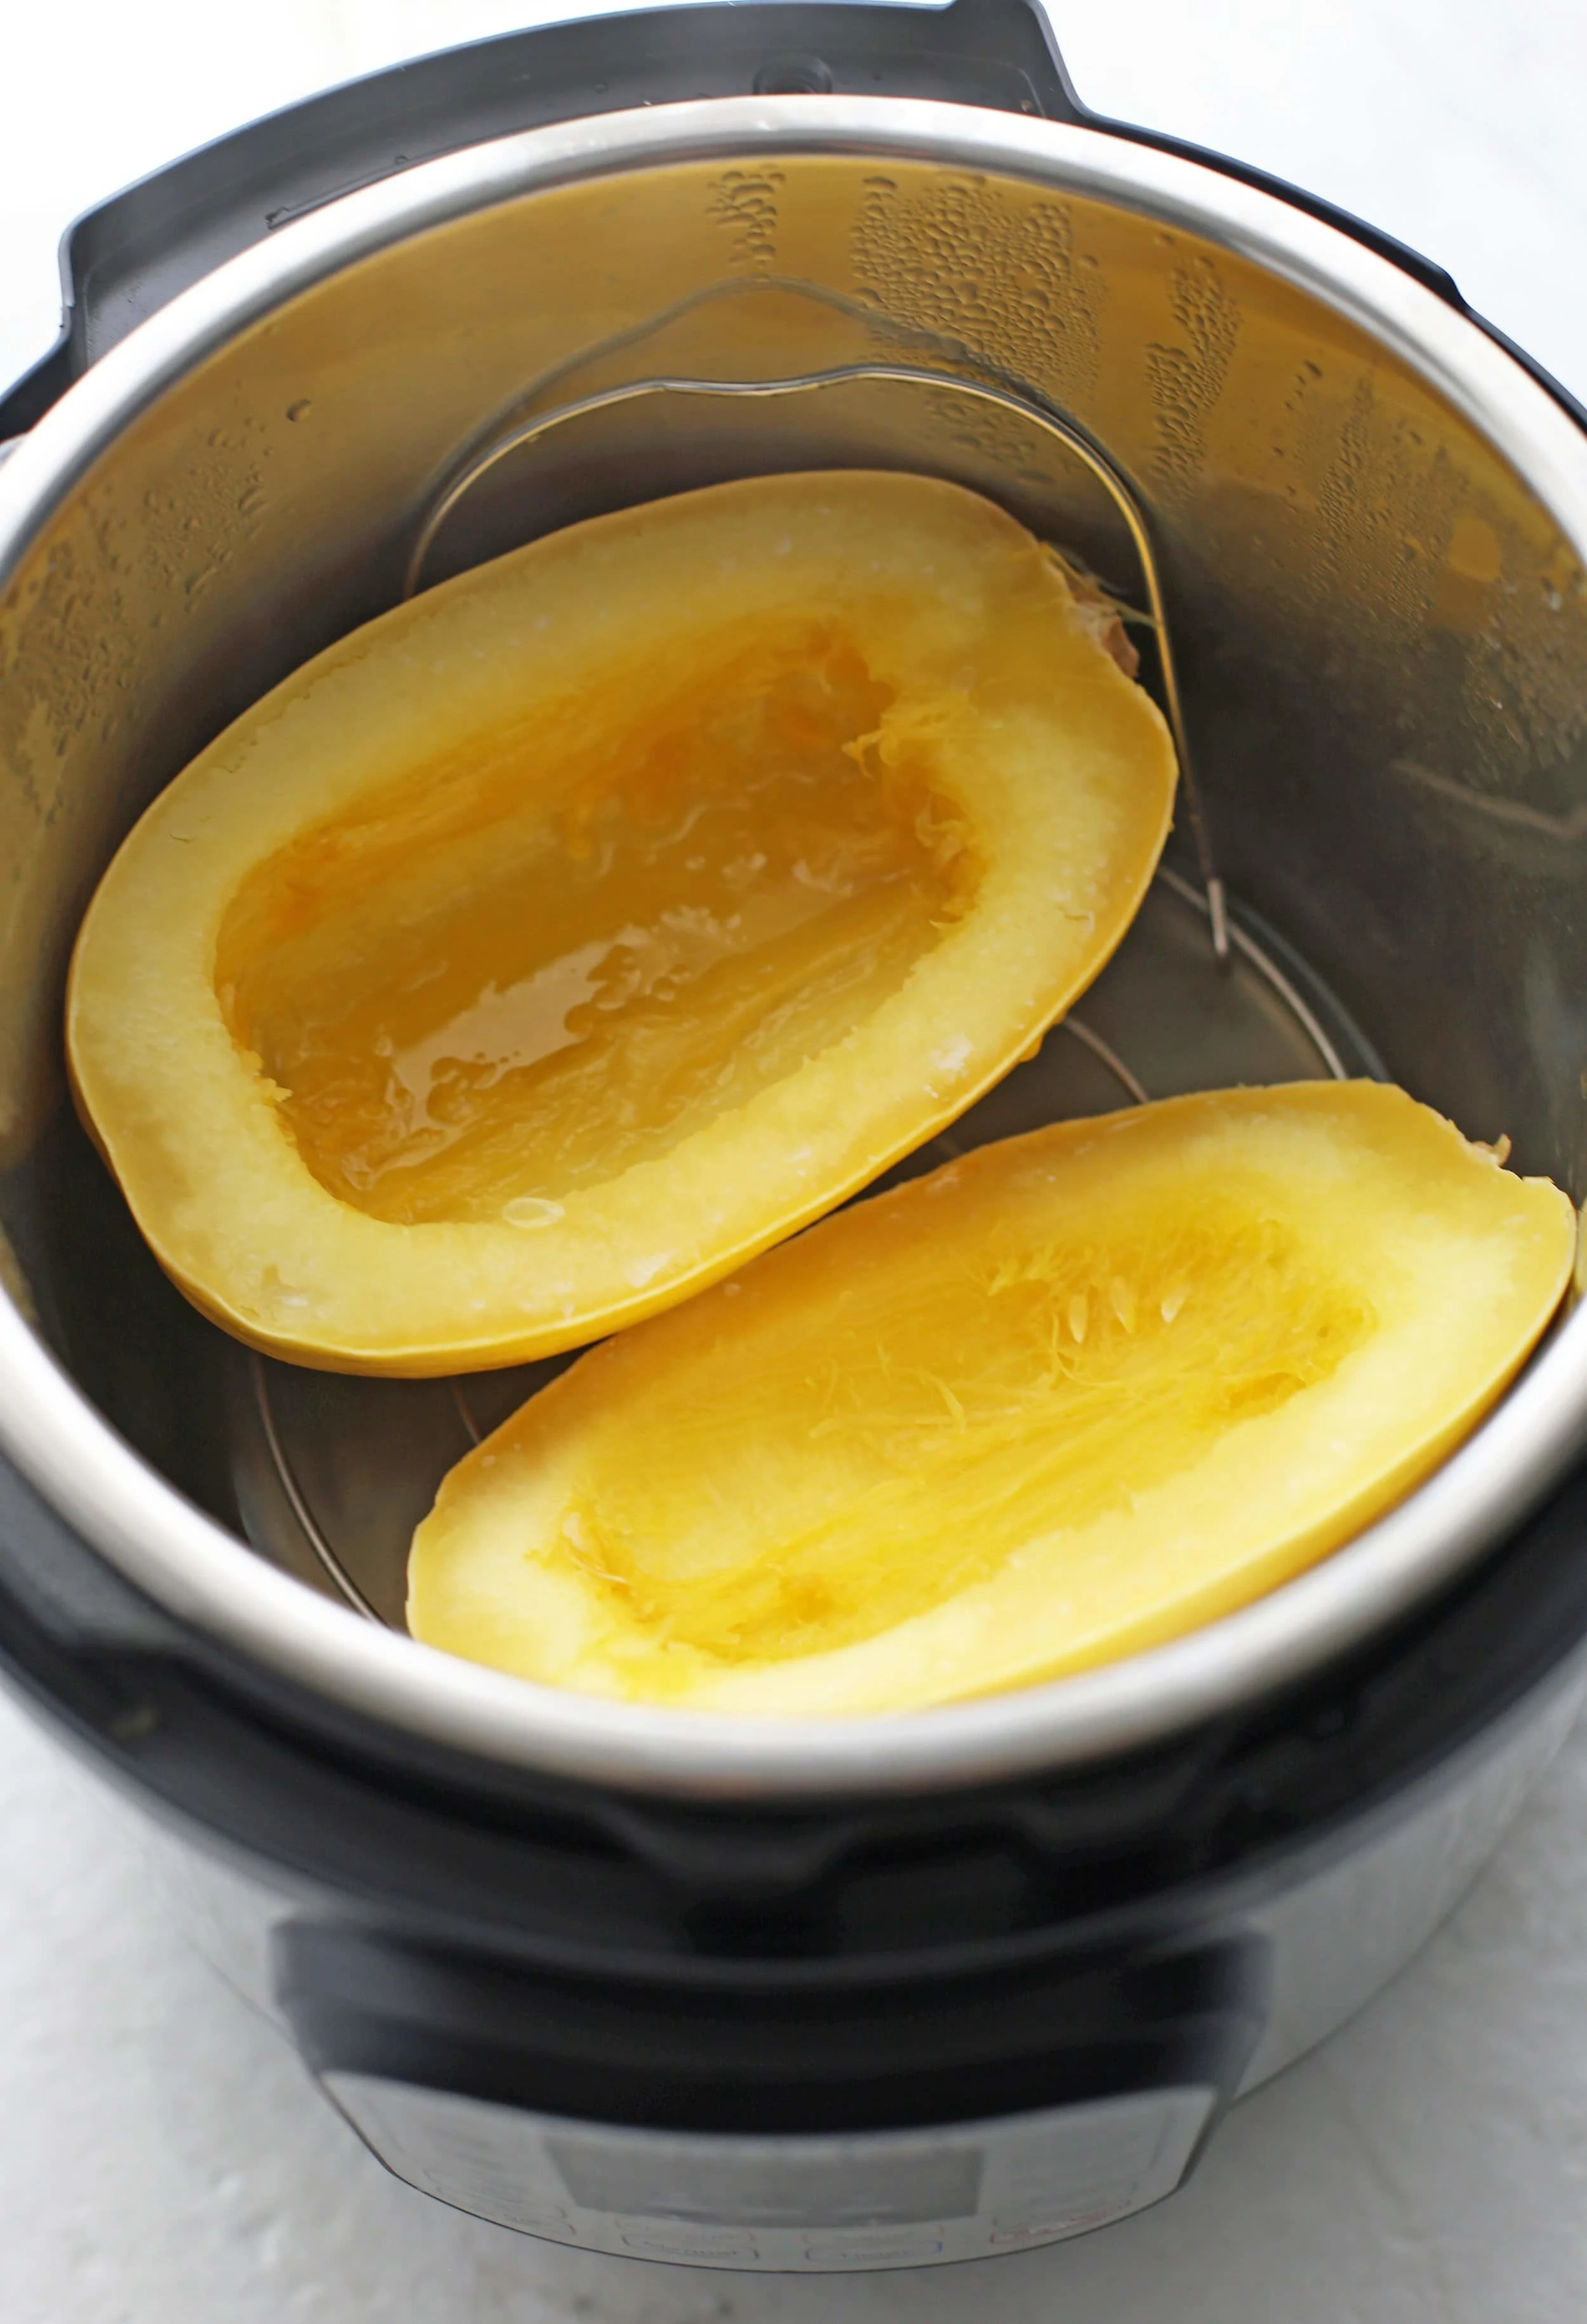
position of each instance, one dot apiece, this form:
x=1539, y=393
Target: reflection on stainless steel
x=1367, y=522
x=1568, y=827
x=287, y=1472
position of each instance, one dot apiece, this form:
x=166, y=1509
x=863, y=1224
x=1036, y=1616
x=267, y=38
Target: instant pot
x=855, y=1994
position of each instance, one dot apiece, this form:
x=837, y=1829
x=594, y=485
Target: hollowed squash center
x=515, y=974
x=944, y=1417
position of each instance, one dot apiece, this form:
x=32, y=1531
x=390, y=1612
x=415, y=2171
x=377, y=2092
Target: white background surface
x=162, y=2158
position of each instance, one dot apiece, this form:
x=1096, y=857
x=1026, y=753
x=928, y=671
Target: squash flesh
x=562, y=977
x=1073, y=1396
x=549, y=946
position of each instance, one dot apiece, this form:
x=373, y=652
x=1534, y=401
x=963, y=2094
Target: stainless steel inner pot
x=1368, y=519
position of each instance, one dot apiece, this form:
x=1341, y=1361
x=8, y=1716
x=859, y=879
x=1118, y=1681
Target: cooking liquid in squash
x=497, y=982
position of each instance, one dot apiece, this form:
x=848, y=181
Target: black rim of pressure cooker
x=532, y=1939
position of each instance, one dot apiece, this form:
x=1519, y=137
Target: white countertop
x=163, y=2160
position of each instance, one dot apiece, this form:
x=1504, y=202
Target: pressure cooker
x=857, y=1993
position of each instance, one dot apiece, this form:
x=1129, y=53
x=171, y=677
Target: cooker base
x=1339, y=1917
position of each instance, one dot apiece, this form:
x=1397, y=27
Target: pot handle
x=125, y=260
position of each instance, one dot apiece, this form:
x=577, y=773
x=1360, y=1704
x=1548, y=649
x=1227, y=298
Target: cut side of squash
x=1072, y=1396
x=551, y=945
